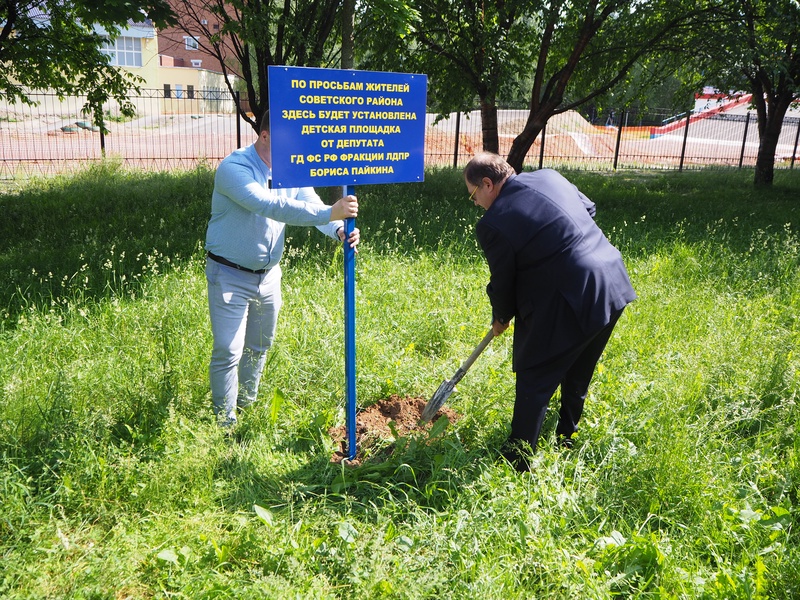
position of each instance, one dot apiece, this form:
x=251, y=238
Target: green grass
x=116, y=483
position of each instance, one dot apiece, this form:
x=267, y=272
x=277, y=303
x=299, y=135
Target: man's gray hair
x=487, y=164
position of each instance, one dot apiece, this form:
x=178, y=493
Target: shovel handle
x=477, y=352
x=444, y=391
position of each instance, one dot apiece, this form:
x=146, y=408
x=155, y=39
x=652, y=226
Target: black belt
x=227, y=263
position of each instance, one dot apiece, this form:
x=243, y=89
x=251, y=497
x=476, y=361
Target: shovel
x=446, y=388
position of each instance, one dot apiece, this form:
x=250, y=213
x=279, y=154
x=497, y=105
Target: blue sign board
x=331, y=127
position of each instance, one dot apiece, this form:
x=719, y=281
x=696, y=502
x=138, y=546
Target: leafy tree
x=255, y=34
x=570, y=52
x=468, y=48
x=588, y=48
x=638, y=93
x=50, y=44
x=757, y=49
x=348, y=41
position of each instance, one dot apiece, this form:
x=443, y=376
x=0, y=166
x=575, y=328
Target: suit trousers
x=573, y=371
x=244, y=313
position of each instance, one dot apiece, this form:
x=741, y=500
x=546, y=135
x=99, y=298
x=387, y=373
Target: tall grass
x=116, y=483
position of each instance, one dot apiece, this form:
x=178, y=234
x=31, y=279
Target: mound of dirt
x=372, y=424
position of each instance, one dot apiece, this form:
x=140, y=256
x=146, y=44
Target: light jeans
x=244, y=312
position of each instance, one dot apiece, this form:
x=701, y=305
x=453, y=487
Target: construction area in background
x=719, y=131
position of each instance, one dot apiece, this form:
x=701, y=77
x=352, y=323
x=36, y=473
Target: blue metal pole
x=350, y=329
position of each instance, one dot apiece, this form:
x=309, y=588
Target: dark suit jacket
x=551, y=266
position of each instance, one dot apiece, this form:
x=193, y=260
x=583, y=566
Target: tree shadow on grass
x=102, y=232
x=99, y=233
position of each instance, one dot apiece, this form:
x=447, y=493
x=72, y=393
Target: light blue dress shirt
x=248, y=218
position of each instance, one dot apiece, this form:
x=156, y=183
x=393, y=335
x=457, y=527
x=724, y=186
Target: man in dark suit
x=553, y=270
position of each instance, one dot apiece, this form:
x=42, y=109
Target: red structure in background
x=723, y=107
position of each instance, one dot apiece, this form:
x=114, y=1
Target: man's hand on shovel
x=498, y=327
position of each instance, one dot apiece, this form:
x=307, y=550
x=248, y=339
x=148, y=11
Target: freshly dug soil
x=372, y=424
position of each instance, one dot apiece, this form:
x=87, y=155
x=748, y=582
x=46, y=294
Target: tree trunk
x=765, y=162
x=770, y=132
x=523, y=142
x=491, y=139
x=348, y=19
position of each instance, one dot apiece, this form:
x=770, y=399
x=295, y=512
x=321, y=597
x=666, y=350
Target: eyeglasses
x=473, y=192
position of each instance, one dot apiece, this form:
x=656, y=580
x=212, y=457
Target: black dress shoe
x=518, y=454
x=565, y=442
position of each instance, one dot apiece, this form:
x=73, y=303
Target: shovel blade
x=437, y=400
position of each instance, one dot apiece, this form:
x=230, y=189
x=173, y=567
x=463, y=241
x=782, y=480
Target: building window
x=190, y=92
x=123, y=52
x=191, y=43
x=167, y=91
x=179, y=90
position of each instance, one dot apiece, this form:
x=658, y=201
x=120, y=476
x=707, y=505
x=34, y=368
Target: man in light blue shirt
x=244, y=241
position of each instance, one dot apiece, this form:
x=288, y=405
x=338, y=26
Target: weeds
x=115, y=481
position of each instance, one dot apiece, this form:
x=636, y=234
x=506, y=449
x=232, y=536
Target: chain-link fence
x=178, y=131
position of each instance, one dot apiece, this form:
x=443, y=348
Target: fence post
x=541, y=147
x=237, y=99
x=796, y=137
x=458, y=132
x=619, y=137
x=744, y=141
x=102, y=135
x=685, y=135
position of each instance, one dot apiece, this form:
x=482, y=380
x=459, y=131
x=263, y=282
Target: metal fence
x=180, y=132
x=621, y=140
x=167, y=133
